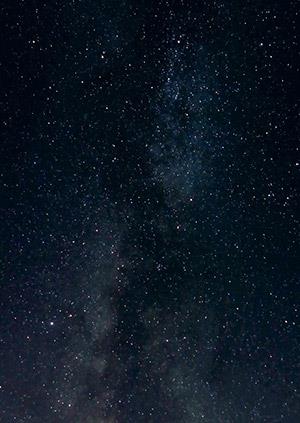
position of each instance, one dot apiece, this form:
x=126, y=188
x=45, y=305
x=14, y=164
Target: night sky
x=149, y=231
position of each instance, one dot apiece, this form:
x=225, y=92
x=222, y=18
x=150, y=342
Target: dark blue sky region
x=149, y=174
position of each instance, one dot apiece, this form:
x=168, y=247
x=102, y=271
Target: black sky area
x=149, y=233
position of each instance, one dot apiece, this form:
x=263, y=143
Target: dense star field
x=149, y=233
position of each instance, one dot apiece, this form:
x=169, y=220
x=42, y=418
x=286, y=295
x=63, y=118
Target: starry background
x=148, y=203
